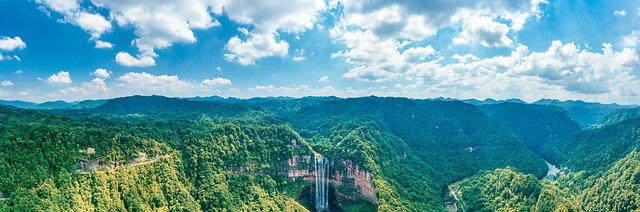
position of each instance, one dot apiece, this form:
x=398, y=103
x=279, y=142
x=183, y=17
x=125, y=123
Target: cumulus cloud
x=60, y=5
x=126, y=59
x=6, y=83
x=377, y=59
x=147, y=84
x=61, y=78
x=324, y=79
x=416, y=20
x=215, y=82
x=465, y=58
x=93, y=23
x=267, y=18
x=631, y=40
x=483, y=31
x=377, y=32
x=10, y=44
x=102, y=73
x=289, y=15
x=254, y=48
x=103, y=45
x=158, y=25
x=95, y=86
x=562, y=71
x=292, y=90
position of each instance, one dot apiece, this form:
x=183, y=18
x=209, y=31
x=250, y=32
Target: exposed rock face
x=349, y=174
x=343, y=173
x=355, y=177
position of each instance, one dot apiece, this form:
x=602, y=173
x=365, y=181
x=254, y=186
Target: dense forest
x=153, y=153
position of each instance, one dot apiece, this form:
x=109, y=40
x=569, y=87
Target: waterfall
x=322, y=190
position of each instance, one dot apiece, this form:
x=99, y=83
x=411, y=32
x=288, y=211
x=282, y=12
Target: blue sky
x=93, y=49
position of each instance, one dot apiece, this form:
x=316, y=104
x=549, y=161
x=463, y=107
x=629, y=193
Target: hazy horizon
x=298, y=97
x=73, y=50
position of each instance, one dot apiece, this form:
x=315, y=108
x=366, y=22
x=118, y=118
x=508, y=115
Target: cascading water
x=322, y=190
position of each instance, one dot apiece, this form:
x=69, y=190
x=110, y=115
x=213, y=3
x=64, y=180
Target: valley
x=154, y=153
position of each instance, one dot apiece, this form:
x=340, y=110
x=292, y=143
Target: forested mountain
x=586, y=114
x=490, y=101
x=602, y=173
x=619, y=115
x=143, y=165
x=596, y=149
x=159, y=106
x=508, y=190
x=534, y=124
x=88, y=104
x=153, y=153
x=18, y=104
x=454, y=146
x=278, y=105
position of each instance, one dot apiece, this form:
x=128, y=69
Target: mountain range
x=384, y=154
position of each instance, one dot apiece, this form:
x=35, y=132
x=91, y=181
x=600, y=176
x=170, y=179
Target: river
x=553, y=170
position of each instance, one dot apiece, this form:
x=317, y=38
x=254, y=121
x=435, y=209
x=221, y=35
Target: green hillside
x=619, y=115
x=535, y=125
x=156, y=153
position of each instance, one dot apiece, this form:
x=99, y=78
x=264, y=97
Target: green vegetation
x=619, y=115
x=535, y=125
x=586, y=114
x=596, y=149
x=604, y=175
x=508, y=190
x=388, y=154
x=187, y=167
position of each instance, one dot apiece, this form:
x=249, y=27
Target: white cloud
x=10, y=44
x=218, y=68
x=60, y=78
x=292, y=16
x=126, y=59
x=267, y=18
x=19, y=72
x=292, y=90
x=299, y=55
x=92, y=88
x=103, y=45
x=146, y=84
x=61, y=5
x=216, y=82
x=416, y=20
x=631, y=40
x=620, y=13
x=254, y=48
x=102, y=73
x=93, y=23
x=159, y=24
x=6, y=83
x=483, y=31
x=377, y=59
x=563, y=71
x=324, y=79
x=377, y=32
x=467, y=58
